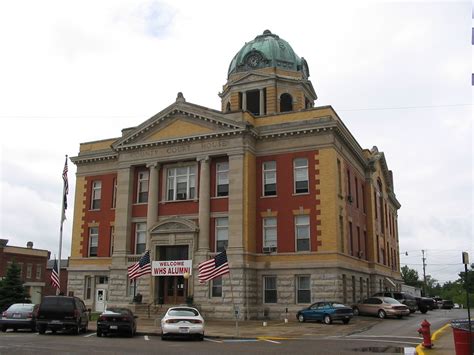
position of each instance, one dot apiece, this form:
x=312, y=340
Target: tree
x=11, y=288
x=410, y=277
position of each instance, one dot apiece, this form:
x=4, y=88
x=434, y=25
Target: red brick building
x=32, y=264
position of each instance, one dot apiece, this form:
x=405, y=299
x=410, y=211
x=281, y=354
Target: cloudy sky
x=397, y=73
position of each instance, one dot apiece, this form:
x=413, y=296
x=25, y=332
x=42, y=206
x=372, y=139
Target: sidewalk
x=277, y=329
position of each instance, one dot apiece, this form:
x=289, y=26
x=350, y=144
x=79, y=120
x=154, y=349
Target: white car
x=182, y=321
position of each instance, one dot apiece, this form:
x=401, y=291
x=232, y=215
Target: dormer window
x=286, y=103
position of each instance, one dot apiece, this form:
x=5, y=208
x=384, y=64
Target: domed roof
x=267, y=50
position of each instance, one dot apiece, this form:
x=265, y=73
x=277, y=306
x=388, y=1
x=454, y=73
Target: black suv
x=62, y=312
x=402, y=297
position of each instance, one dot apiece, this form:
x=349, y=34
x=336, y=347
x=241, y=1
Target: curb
x=420, y=350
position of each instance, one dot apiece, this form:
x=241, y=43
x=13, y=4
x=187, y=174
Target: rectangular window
x=93, y=240
x=361, y=288
x=142, y=187
x=339, y=176
x=222, y=233
x=341, y=232
x=38, y=271
x=131, y=286
x=363, y=198
x=357, y=191
x=351, y=239
x=269, y=178
x=114, y=194
x=112, y=235
x=349, y=190
x=29, y=270
x=88, y=288
x=181, y=183
x=353, y=289
x=300, y=167
x=21, y=270
x=222, y=179
x=216, y=288
x=303, y=289
x=140, y=238
x=365, y=246
x=302, y=233
x=96, y=192
x=344, y=289
x=270, y=232
x=270, y=289
x=359, y=249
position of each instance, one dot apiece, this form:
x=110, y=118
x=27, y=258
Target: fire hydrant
x=426, y=333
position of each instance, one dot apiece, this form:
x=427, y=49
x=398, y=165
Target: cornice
x=94, y=157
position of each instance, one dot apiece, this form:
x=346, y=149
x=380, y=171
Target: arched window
x=286, y=103
x=227, y=108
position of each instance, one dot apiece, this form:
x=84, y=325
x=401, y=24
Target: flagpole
x=63, y=217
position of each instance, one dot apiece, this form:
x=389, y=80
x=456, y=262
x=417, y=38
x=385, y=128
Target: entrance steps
x=151, y=311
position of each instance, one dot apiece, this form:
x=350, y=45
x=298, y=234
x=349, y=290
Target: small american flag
x=212, y=268
x=141, y=267
x=55, y=275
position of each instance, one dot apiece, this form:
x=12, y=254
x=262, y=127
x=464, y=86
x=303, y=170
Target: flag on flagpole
x=55, y=275
x=65, y=190
x=212, y=268
x=141, y=267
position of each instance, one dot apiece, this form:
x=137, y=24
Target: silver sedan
x=182, y=321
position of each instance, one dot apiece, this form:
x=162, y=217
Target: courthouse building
x=304, y=212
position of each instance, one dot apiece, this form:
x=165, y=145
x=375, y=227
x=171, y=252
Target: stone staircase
x=152, y=311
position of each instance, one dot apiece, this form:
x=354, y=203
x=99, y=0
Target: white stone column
x=152, y=208
x=262, y=102
x=204, y=203
x=244, y=101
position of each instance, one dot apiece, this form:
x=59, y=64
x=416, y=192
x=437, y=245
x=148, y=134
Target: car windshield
x=21, y=308
x=390, y=300
x=117, y=310
x=183, y=312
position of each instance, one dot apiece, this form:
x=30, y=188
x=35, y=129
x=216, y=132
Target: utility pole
x=424, y=272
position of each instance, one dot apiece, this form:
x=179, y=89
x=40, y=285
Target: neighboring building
x=32, y=264
x=49, y=289
x=412, y=290
x=305, y=213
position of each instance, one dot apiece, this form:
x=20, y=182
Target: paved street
x=366, y=334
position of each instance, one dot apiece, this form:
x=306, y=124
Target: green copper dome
x=267, y=50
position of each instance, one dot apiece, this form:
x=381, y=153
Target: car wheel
x=423, y=311
x=130, y=333
x=85, y=328
x=163, y=337
x=327, y=319
x=41, y=330
x=399, y=316
x=201, y=337
x=412, y=311
x=99, y=333
x=77, y=329
x=4, y=328
x=301, y=318
x=356, y=311
x=381, y=314
x=345, y=321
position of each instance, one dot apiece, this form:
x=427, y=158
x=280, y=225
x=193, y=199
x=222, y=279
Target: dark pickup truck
x=62, y=313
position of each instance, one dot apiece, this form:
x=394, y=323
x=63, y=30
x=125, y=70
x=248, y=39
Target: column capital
x=153, y=165
x=204, y=158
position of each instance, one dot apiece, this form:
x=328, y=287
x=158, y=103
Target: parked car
x=381, y=307
x=439, y=301
x=456, y=306
x=62, y=313
x=425, y=304
x=402, y=297
x=182, y=321
x=447, y=304
x=326, y=312
x=19, y=316
x=117, y=320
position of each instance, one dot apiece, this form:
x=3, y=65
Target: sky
x=397, y=73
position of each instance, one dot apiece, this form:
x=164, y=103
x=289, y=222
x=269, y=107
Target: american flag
x=212, y=268
x=65, y=190
x=141, y=267
x=55, y=275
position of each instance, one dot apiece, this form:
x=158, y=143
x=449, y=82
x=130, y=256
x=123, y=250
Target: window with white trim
x=300, y=167
x=269, y=232
x=269, y=178
x=29, y=270
x=114, y=194
x=222, y=179
x=270, y=289
x=38, y=271
x=93, y=240
x=216, y=288
x=140, y=238
x=95, y=196
x=222, y=233
x=302, y=233
x=181, y=183
x=303, y=289
x=142, y=187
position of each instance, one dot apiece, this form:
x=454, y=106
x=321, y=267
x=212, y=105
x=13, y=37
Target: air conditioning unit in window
x=268, y=250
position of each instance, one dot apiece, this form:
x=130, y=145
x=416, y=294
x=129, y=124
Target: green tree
x=410, y=277
x=11, y=288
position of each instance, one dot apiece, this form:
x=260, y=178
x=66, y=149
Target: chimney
x=29, y=245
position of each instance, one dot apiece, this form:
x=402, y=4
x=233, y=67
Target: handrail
x=149, y=305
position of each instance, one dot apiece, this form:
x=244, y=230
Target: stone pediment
x=179, y=121
x=174, y=225
x=252, y=77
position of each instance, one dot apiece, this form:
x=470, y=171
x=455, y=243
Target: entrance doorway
x=172, y=289
x=100, y=299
